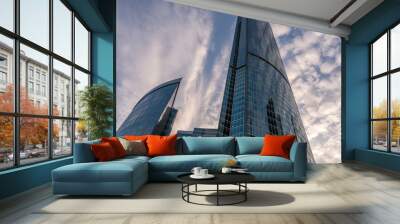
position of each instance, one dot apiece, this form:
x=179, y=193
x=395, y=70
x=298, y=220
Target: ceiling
x=326, y=16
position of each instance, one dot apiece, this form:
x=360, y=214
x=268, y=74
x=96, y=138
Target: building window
x=30, y=87
x=385, y=94
x=3, y=78
x=54, y=125
x=3, y=61
x=38, y=89
x=3, y=72
x=30, y=72
x=43, y=90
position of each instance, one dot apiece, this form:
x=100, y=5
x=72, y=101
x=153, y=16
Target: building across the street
x=154, y=112
x=258, y=98
x=34, y=82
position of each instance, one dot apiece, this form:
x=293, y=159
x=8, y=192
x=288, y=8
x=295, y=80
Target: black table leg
x=245, y=193
x=217, y=194
x=195, y=188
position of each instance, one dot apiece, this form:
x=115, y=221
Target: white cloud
x=165, y=41
x=175, y=42
x=312, y=62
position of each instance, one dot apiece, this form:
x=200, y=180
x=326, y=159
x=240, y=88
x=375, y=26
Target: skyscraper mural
x=154, y=113
x=238, y=76
x=258, y=98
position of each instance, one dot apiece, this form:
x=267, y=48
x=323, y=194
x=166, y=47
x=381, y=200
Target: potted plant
x=96, y=102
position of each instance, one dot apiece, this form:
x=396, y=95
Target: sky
x=159, y=41
x=35, y=27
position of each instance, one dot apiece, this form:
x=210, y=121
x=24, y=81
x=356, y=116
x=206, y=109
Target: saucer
x=208, y=176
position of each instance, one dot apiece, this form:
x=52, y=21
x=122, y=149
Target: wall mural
x=201, y=73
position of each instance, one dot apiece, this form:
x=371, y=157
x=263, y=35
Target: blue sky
x=158, y=41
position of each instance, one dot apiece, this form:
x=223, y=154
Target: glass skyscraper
x=258, y=98
x=154, y=112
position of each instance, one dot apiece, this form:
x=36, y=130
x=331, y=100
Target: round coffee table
x=238, y=179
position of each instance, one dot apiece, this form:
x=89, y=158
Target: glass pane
x=379, y=55
x=81, y=131
x=379, y=98
x=62, y=28
x=7, y=14
x=6, y=74
x=395, y=132
x=62, y=138
x=33, y=139
x=35, y=21
x=395, y=47
x=81, y=81
x=34, y=92
x=6, y=142
x=62, y=89
x=379, y=135
x=81, y=45
x=395, y=94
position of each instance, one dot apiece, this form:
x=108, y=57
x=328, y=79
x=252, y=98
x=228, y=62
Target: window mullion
x=73, y=82
x=371, y=140
x=16, y=84
x=50, y=81
x=389, y=106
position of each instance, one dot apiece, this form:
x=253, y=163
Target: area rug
x=166, y=198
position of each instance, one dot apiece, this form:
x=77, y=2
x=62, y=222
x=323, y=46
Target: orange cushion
x=161, y=145
x=277, y=145
x=103, y=152
x=135, y=137
x=116, y=145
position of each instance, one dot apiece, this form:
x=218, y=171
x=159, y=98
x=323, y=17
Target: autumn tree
x=380, y=127
x=33, y=131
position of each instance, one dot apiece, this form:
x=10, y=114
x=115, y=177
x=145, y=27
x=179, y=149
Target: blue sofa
x=125, y=176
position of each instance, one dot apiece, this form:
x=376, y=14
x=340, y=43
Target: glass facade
x=40, y=82
x=258, y=98
x=154, y=112
x=384, y=91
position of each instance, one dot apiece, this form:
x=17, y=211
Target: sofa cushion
x=249, y=145
x=103, y=152
x=277, y=145
x=136, y=137
x=116, y=145
x=161, y=145
x=134, y=147
x=207, y=145
x=112, y=171
x=257, y=163
x=185, y=163
x=83, y=152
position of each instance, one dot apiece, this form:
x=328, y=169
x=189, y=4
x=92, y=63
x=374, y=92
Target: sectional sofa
x=125, y=176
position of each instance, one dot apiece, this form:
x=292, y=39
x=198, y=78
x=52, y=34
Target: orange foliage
x=33, y=130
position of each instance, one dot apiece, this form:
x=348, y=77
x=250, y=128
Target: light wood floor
x=379, y=189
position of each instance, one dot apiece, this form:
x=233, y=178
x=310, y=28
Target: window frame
x=16, y=114
x=388, y=74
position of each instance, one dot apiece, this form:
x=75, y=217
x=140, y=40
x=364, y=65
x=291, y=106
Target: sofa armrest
x=83, y=152
x=298, y=155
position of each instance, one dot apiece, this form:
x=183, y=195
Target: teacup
x=226, y=170
x=196, y=171
x=203, y=172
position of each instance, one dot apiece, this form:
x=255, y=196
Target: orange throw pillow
x=136, y=137
x=116, y=145
x=161, y=145
x=103, y=152
x=277, y=145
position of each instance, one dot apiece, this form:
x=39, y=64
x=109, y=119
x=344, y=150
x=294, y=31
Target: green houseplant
x=96, y=102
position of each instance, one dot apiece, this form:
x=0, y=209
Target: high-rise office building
x=258, y=98
x=154, y=113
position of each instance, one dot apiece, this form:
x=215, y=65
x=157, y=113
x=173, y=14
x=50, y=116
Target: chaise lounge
x=125, y=176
